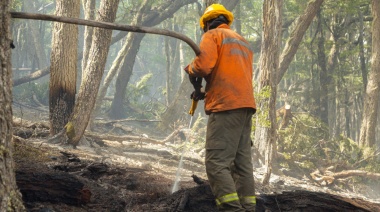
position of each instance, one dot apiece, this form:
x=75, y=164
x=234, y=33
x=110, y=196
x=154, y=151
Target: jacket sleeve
x=204, y=63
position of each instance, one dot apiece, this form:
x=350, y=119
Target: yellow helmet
x=213, y=11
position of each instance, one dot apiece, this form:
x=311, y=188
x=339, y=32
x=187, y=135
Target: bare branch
x=106, y=25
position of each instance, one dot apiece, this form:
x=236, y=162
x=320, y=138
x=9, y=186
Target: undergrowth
x=306, y=140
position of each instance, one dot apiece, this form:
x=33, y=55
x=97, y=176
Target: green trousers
x=228, y=145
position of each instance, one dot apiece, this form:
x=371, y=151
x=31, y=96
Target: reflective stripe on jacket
x=225, y=62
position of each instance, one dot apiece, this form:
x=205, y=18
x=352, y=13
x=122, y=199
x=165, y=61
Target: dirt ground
x=138, y=174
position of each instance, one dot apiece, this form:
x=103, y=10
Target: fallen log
x=200, y=198
x=351, y=173
x=19, y=122
x=142, y=138
x=129, y=120
x=329, y=177
x=52, y=186
x=302, y=200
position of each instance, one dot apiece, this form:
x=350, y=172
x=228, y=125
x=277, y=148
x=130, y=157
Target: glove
x=196, y=82
x=198, y=95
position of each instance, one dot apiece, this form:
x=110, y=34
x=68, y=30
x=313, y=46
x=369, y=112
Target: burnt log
x=51, y=186
x=302, y=200
x=200, y=199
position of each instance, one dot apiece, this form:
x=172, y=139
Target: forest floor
x=135, y=170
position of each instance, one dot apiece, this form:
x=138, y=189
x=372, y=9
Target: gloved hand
x=196, y=82
x=198, y=95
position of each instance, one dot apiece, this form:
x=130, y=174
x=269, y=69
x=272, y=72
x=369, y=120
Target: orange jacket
x=225, y=62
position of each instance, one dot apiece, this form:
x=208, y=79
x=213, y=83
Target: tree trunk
x=94, y=72
x=10, y=197
x=89, y=14
x=117, y=110
x=331, y=84
x=120, y=60
x=173, y=69
x=269, y=64
x=169, y=77
x=371, y=98
x=324, y=78
x=303, y=23
x=37, y=45
x=363, y=66
x=63, y=68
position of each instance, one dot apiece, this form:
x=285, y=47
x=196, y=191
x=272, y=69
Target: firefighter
x=225, y=62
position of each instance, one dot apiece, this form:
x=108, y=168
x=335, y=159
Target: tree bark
x=10, y=197
x=89, y=14
x=118, y=64
x=269, y=66
x=371, y=98
x=324, y=78
x=94, y=72
x=63, y=68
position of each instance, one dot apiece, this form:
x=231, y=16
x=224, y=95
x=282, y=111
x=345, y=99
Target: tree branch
x=106, y=25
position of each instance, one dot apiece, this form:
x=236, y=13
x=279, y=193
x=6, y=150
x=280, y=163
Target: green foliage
x=262, y=112
x=25, y=92
x=294, y=7
x=139, y=103
x=16, y=5
x=307, y=140
x=344, y=7
x=303, y=136
x=136, y=91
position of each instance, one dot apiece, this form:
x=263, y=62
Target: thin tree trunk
x=89, y=14
x=173, y=64
x=63, y=72
x=117, y=110
x=269, y=64
x=38, y=48
x=10, y=197
x=371, y=98
x=324, y=78
x=331, y=84
x=363, y=67
x=168, y=74
x=93, y=73
x=116, y=65
x=303, y=23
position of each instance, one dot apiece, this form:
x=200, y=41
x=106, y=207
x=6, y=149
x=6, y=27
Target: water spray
x=179, y=169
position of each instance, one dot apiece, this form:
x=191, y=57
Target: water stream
x=179, y=169
x=178, y=172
